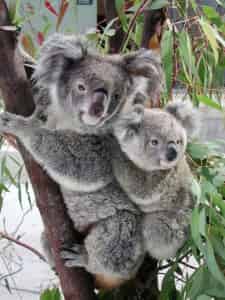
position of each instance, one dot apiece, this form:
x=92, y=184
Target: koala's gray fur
x=68, y=63
x=81, y=95
x=95, y=206
x=152, y=170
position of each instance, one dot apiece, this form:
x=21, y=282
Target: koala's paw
x=75, y=256
x=9, y=123
x=40, y=117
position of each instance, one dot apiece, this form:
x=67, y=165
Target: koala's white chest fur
x=79, y=185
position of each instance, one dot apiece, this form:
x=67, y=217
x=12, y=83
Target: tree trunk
x=16, y=91
x=111, y=13
x=152, y=31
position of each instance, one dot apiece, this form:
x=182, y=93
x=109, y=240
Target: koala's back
x=86, y=209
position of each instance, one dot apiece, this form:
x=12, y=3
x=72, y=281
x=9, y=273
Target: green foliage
x=157, y=4
x=198, y=53
x=167, y=58
x=51, y=294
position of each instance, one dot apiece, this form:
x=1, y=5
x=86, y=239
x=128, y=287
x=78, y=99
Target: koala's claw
x=75, y=248
x=4, y=121
x=41, y=116
x=10, y=123
x=73, y=259
x=74, y=256
x=76, y=262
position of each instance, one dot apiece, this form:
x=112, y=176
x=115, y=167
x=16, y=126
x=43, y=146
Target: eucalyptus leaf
x=167, y=57
x=157, y=4
x=209, y=102
x=51, y=294
x=211, y=36
x=212, y=263
x=168, y=286
x=203, y=297
x=210, y=12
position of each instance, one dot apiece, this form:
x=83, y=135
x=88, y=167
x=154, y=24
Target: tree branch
x=139, y=11
x=17, y=242
x=18, y=98
x=153, y=23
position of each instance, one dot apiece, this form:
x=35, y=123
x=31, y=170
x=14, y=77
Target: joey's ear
x=137, y=114
x=132, y=117
x=186, y=114
x=128, y=121
x=146, y=64
x=57, y=53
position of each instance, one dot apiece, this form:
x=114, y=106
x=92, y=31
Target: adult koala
x=151, y=167
x=81, y=96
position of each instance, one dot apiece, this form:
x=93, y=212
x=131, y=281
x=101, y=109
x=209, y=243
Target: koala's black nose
x=171, y=153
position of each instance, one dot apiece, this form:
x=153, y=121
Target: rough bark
x=16, y=91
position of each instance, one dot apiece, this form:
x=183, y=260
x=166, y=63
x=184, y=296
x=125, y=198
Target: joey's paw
x=75, y=256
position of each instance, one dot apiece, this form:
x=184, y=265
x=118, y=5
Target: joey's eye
x=154, y=142
x=81, y=87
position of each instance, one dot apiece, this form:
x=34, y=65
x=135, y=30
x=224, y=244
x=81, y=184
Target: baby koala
x=151, y=167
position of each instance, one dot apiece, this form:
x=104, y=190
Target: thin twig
x=11, y=274
x=140, y=9
x=185, y=20
x=9, y=238
x=174, y=262
x=22, y=290
x=188, y=265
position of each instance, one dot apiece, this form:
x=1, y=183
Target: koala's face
x=93, y=93
x=89, y=89
x=153, y=141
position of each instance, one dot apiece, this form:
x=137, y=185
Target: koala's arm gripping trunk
x=76, y=284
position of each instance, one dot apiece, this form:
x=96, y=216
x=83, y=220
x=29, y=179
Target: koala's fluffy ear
x=188, y=116
x=131, y=118
x=56, y=54
x=128, y=121
x=137, y=114
x=146, y=64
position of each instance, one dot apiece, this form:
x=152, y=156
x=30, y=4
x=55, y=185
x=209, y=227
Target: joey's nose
x=171, y=154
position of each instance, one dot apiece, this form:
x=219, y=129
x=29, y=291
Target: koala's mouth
x=164, y=165
x=99, y=112
x=94, y=114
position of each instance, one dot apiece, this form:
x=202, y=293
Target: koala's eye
x=139, y=99
x=116, y=96
x=179, y=142
x=154, y=142
x=81, y=87
x=132, y=131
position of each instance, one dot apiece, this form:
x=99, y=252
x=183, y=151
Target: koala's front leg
x=164, y=233
x=76, y=162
